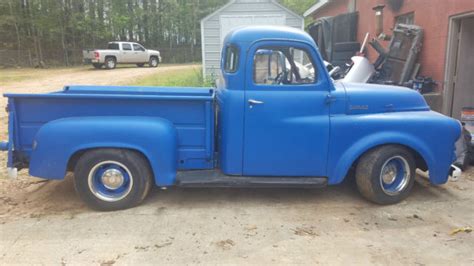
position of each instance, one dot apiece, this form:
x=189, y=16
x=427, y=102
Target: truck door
x=286, y=129
x=140, y=54
x=127, y=53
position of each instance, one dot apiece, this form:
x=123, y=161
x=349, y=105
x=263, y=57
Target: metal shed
x=235, y=14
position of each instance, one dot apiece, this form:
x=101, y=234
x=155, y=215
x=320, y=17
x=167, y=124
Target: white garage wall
x=240, y=13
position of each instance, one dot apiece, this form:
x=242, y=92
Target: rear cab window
x=231, y=61
x=113, y=46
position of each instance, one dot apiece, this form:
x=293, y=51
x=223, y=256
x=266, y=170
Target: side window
x=231, y=62
x=137, y=47
x=126, y=47
x=268, y=64
x=283, y=66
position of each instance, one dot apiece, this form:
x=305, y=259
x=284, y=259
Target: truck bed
x=191, y=110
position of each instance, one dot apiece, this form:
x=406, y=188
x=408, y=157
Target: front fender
x=339, y=168
x=57, y=141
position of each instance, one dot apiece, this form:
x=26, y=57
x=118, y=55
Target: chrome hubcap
x=389, y=174
x=112, y=179
x=395, y=175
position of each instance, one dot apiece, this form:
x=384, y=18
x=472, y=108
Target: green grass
x=189, y=77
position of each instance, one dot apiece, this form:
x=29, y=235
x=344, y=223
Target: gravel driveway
x=44, y=222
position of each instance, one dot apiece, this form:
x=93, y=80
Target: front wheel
x=112, y=179
x=386, y=174
x=153, y=62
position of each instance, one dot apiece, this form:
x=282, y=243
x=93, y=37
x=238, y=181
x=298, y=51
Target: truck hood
x=365, y=98
x=155, y=52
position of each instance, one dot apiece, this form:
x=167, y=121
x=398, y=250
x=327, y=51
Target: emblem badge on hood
x=358, y=107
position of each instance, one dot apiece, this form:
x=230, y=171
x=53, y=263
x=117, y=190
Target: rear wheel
x=110, y=63
x=97, y=65
x=386, y=174
x=153, y=61
x=112, y=179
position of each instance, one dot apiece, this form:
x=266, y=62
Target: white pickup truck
x=122, y=53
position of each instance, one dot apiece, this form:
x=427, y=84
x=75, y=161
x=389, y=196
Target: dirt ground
x=44, y=222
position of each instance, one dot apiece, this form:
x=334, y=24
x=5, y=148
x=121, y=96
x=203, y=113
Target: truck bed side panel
x=192, y=117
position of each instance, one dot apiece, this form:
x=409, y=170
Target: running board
x=215, y=178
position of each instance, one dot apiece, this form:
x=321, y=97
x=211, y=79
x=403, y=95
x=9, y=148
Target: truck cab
x=266, y=136
x=276, y=118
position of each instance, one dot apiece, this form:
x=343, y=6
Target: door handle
x=254, y=102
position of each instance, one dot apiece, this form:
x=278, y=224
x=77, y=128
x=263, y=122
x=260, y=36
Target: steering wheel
x=280, y=77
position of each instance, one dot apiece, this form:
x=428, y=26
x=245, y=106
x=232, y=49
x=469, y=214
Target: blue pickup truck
x=276, y=119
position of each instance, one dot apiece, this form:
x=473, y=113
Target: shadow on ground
x=41, y=198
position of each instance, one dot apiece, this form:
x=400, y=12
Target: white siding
x=212, y=27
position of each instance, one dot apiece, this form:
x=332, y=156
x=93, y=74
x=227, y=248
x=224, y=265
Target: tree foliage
x=57, y=30
x=298, y=6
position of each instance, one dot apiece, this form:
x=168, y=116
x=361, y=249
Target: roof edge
x=320, y=4
x=217, y=11
x=287, y=9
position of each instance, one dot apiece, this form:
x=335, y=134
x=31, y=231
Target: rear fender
x=57, y=141
x=341, y=166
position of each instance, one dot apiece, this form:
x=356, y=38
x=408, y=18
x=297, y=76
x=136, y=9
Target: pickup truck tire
x=112, y=179
x=110, y=63
x=141, y=65
x=385, y=175
x=97, y=65
x=153, y=61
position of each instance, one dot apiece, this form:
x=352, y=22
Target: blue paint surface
x=173, y=129
x=317, y=129
x=4, y=146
